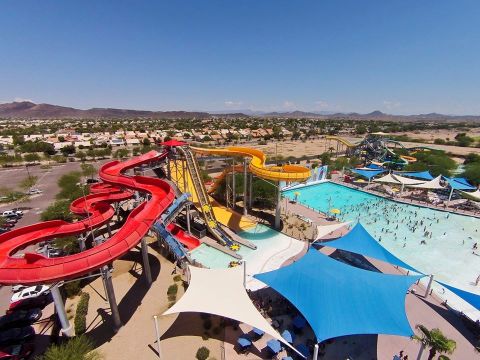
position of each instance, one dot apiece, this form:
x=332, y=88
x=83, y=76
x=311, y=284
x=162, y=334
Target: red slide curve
x=191, y=242
x=35, y=268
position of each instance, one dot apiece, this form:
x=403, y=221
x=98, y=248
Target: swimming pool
x=401, y=228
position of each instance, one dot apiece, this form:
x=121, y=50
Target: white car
x=34, y=191
x=30, y=292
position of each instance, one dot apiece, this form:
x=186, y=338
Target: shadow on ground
x=103, y=331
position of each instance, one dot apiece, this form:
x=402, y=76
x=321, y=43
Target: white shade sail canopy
x=432, y=184
x=475, y=195
x=407, y=181
x=221, y=292
x=387, y=179
x=324, y=230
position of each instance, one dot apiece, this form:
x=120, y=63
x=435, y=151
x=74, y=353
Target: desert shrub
x=72, y=288
x=80, y=321
x=77, y=348
x=172, y=289
x=202, y=353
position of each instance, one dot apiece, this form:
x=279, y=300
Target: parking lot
x=32, y=206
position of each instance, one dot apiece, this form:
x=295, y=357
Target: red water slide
x=191, y=242
x=34, y=268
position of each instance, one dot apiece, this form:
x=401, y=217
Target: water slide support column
x=107, y=278
x=250, y=192
x=67, y=329
x=188, y=220
x=146, y=263
x=277, y=209
x=234, y=194
x=429, y=286
x=245, y=179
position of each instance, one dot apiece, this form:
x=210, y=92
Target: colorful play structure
x=175, y=205
x=375, y=148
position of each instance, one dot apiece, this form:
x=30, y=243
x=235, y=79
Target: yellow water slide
x=289, y=173
x=341, y=140
x=227, y=217
x=219, y=178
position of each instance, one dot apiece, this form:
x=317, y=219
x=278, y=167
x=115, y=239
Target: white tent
x=221, y=292
x=388, y=179
x=471, y=195
x=324, y=230
x=432, y=184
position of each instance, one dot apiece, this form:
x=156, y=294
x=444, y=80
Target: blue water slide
x=176, y=247
x=177, y=204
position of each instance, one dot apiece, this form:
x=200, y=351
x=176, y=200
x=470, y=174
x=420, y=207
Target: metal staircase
x=206, y=208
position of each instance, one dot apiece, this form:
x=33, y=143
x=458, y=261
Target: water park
x=368, y=262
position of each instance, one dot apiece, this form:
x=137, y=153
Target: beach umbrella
x=274, y=346
x=335, y=211
x=287, y=335
x=244, y=342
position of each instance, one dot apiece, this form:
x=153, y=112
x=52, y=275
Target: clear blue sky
x=398, y=56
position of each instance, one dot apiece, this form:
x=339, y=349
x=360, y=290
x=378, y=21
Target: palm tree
x=436, y=341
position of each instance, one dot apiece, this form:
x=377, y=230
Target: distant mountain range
x=30, y=110
x=27, y=109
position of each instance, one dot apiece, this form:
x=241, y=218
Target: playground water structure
x=34, y=268
x=447, y=253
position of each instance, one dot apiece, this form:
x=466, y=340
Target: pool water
x=432, y=241
x=260, y=235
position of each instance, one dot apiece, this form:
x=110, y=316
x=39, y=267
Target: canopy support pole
x=429, y=286
x=315, y=352
x=157, y=333
x=451, y=194
x=234, y=190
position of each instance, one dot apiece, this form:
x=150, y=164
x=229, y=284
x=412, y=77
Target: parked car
x=16, y=335
x=34, y=191
x=92, y=181
x=12, y=220
x=30, y=292
x=8, y=225
x=17, y=211
x=17, y=352
x=3, y=230
x=17, y=288
x=9, y=213
x=20, y=318
x=31, y=303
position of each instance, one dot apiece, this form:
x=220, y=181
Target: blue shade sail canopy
x=367, y=173
x=338, y=299
x=459, y=183
x=359, y=241
x=471, y=298
x=424, y=175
